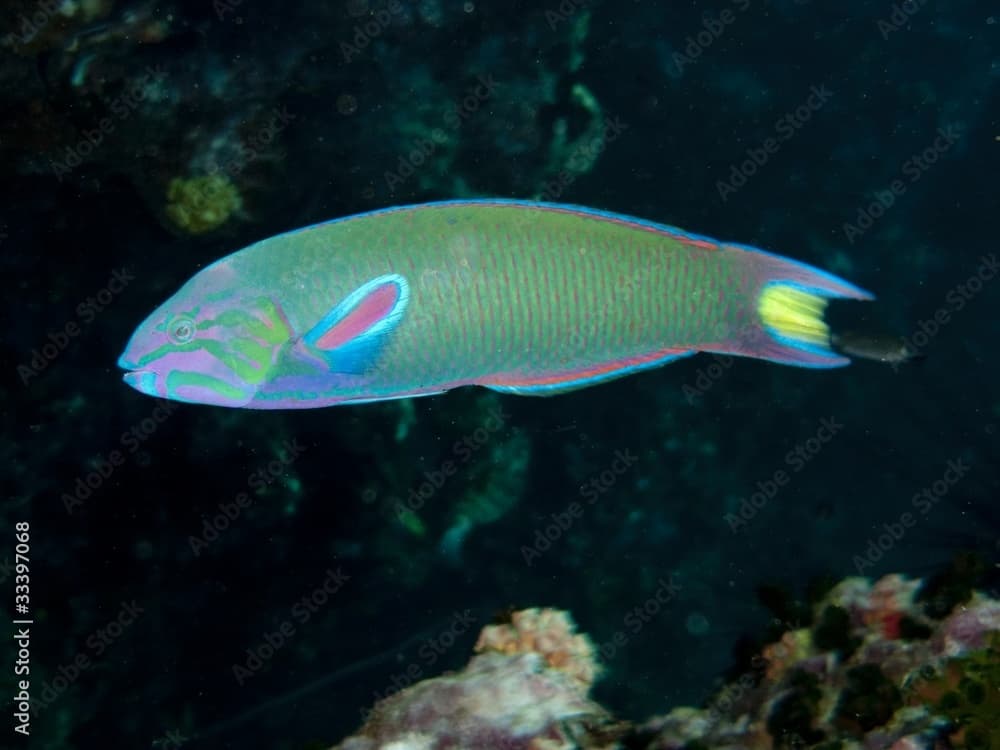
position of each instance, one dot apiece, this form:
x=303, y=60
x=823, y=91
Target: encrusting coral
x=526, y=690
x=548, y=633
x=201, y=204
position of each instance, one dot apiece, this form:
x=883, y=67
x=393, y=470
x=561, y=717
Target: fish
x=521, y=297
x=878, y=347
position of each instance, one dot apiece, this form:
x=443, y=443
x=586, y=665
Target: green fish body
x=521, y=297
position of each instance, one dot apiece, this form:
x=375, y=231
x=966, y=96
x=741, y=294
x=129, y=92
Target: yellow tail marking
x=795, y=314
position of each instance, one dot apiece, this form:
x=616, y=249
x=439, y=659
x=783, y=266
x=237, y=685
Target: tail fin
x=788, y=302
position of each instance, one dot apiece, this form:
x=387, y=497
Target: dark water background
x=312, y=111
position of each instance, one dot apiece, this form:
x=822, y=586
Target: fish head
x=216, y=341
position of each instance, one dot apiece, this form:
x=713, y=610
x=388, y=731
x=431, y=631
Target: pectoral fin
x=354, y=333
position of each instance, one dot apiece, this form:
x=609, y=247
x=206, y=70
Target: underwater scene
x=481, y=375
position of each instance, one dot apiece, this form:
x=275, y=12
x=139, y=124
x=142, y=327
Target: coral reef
x=874, y=684
x=873, y=671
x=966, y=690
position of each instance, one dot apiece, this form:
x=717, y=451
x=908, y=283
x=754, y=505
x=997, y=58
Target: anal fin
x=552, y=383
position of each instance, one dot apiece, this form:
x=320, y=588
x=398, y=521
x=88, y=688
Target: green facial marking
x=177, y=379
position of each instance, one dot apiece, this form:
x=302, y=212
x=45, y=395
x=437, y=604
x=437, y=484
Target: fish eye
x=181, y=329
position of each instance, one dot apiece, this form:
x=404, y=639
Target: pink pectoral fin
x=351, y=336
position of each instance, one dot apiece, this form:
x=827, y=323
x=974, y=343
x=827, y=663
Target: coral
x=967, y=692
x=952, y=586
x=891, y=596
x=502, y=699
x=792, y=719
x=832, y=632
x=868, y=700
x=876, y=669
x=791, y=648
x=201, y=204
x=548, y=633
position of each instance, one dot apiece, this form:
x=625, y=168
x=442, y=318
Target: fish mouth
x=143, y=381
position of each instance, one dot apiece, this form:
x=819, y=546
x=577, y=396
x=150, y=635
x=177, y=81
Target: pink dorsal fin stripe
x=362, y=317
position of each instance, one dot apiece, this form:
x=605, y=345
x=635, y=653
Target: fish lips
x=144, y=381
